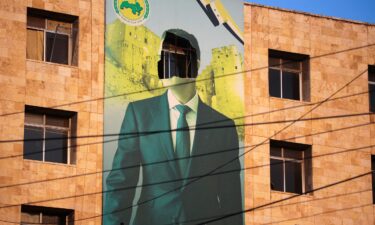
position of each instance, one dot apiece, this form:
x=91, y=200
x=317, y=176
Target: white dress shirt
x=191, y=117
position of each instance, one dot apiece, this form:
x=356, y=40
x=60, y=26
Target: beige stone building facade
x=328, y=117
x=308, y=145
x=36, y=84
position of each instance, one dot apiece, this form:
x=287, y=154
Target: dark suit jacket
x=162, y=199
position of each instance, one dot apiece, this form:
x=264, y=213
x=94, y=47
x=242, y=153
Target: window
x=52, y=37
x=371, y=87
x=291, y=169
x=373, y=178
x=43, y=215
x=289, y=75
x=47, y=135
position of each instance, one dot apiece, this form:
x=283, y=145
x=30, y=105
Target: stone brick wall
x=74, y=88
x=336, y=59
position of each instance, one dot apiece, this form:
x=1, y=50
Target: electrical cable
x=282, y=129
x=198, y=80
x=194, y=156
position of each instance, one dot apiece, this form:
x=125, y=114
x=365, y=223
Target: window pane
x=292, y=154
x=274, y=83
x=61, y=27
x=57, y=121
x=34, y=118
x=53, y=219
x=293, y=177
x=30, y=218
x=274, y=62
x=35, y=44
x=36, y=22
x=275, y=151
x=290, y=64
x=371, y=76
x=371, y=88
x=57, y=48
x=56, y=146
x=33, y=149
x=291, y=85
x=373, y=177
x=277, y=175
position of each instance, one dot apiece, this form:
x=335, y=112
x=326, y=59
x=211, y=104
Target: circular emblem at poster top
x=132, y=12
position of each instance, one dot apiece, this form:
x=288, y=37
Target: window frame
x=281, y=69
x=371, y=83
x=303, y=72
x=284, y=160
x=71, y=130
x=67, y=214
x=44, y=126
x=305, y=163
x=55, y=17
x=373, y=178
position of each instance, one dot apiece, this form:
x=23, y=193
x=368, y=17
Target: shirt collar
x=192, y=103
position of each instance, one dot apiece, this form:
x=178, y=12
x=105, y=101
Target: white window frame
x=44, y=126
x=45, y=30
x=281, y=68
x=285, y=159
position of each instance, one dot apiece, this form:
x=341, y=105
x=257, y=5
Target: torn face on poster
x=174, y=93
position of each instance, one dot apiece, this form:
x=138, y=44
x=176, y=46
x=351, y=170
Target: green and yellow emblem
x=132, y=12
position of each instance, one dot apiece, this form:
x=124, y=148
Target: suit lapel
x=161, y=118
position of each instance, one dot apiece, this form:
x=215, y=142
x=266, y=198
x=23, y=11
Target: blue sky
x=361, y=10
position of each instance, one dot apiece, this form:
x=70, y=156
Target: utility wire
x=197, y=80
x=287, y=198
x=208, y=123
x=194, y=156
x=241, y=155
x=181, y=179
x=267, y=138
x=211, y=172
x=130, y=135
x=270, y=204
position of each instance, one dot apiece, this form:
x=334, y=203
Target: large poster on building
x=174, y=105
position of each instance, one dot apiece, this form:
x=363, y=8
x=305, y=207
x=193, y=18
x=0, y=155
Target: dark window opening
x=371, y=87
x=178, y=58
x=46, y=215
x=288, y=75
x=47, y=135
x=291, y=167
x=52, y=37
x=373, y=177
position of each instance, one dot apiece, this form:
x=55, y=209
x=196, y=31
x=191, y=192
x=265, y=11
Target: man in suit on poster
x=176, y=163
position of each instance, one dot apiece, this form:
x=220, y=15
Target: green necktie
x=183, y=140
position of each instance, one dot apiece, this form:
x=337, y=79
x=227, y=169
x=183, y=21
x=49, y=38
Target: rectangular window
x=291, y=168
x=289, y=75
x=45, y=215
x=371, y=87
x=373, y=177
x=47, y=134
x=52, y=37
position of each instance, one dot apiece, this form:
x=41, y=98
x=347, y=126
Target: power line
x=218, y=121
x=287, y=125
x=145, y=133
x=267, y=138
x=287, y=198
x=250, y=209
x=198, y=80
x=241, y=155
x=188, y=178
x=274, y=134
x=194, y=156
